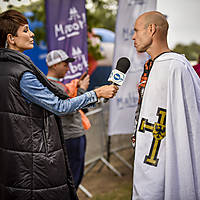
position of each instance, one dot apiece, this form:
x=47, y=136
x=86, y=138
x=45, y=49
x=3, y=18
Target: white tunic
x=167, y=152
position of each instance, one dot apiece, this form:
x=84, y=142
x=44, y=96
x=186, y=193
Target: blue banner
x=67, y=30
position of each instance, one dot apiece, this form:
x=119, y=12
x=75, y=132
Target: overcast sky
x=183, y=18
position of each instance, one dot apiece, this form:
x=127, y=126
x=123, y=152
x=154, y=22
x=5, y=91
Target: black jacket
x=33, y=163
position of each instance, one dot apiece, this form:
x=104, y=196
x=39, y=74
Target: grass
x=121, y=193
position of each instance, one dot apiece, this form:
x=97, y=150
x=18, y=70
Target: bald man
x=167, y=151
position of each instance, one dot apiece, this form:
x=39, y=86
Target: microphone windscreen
x=123, y=65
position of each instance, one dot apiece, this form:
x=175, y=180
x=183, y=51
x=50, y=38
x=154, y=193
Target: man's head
x=150, y=28
x=57, y=61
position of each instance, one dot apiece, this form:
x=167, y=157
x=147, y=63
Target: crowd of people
x=42, y=146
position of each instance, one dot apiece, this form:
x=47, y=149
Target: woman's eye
x=26, y=29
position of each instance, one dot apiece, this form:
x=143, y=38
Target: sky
x=184, y=20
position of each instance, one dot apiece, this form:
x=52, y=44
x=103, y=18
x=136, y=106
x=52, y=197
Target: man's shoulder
x=174, y=61
x=172, y=56
x=59, y=84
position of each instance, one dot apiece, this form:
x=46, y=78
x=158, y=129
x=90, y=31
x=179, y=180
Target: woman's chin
x=30, y=47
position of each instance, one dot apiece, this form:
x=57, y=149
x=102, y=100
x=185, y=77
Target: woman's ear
x=10, y=39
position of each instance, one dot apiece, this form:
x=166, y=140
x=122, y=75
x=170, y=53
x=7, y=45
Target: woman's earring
x=6, y=44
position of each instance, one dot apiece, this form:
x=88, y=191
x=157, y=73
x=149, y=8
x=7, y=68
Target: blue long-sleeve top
x=34, y=91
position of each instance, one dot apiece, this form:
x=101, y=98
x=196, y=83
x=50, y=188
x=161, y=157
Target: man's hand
x=106, y=91
x=84, y=82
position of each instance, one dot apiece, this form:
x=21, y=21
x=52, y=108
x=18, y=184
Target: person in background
x=197, y=66
x=74, y=124
x=34, y=164
x=167, y=150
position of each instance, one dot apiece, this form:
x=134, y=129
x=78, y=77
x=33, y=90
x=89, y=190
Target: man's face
x=61, y=69
x=142, y=37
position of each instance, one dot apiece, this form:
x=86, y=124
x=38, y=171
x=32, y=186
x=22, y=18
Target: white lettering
x=76, y=68
x=73, y=68
x=76, y=26
x=58, y=28
x=84, y=61
x=80, y=67
x=68, y=28
x=81, y=23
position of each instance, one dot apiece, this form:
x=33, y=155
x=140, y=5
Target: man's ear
x=53, y=67
x=152, y=28
x=10, y=39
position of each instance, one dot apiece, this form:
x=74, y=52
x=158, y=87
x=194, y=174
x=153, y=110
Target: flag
x=67, y=30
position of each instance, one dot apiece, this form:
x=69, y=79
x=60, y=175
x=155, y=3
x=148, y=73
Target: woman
x=33, y=161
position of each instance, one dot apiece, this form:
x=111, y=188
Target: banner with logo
x=123, y=106
x=67, y=30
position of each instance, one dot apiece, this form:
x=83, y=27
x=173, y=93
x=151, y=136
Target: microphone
x=117, y=76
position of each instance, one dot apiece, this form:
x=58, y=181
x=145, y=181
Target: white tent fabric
x=123, y=106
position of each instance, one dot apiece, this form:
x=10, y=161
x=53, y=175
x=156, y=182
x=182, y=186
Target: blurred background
x=108, y=174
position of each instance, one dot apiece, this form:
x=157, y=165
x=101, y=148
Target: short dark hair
x=10, y=21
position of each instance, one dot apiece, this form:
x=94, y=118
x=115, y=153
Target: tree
x=38, y=9
x=191, y=51
x=101, y=13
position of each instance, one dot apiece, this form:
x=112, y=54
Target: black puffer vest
x=33, y=164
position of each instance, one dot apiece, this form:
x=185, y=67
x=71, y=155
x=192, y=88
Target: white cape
x=167, y=166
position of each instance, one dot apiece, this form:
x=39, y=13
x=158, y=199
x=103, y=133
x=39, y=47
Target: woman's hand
x=106, y=91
